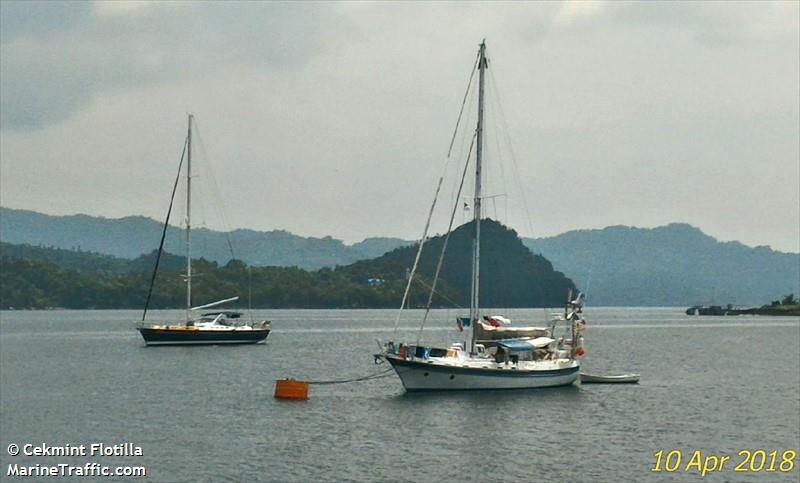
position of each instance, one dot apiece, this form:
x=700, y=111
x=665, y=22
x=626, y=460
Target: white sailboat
x=224, y=327
x=495, y=354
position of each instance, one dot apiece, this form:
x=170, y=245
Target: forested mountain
x=673, y=265
x=38, y=283
x=35, y=277
x=133, y=236
x=511, y=276
x=70, y=259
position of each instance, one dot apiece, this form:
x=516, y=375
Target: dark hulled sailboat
x=207, y=328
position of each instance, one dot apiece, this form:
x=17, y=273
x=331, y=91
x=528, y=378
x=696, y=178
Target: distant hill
x=133, y=236
x=511, y=276
x=69, y=259
x=40, y=278
x=673, y=265
x=36, y=277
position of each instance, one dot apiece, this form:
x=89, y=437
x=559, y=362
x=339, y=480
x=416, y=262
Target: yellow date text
x=746, y=460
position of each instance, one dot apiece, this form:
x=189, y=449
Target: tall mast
x=476, y=245
x=189, y=219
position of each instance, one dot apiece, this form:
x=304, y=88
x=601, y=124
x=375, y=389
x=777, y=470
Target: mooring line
x=377, y=375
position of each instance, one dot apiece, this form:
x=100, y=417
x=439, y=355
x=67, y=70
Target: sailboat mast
x=189, y=219
x=476, y=245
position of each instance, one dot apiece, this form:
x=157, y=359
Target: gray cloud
x=58, y=56
x=333, y=118
x=41, y=19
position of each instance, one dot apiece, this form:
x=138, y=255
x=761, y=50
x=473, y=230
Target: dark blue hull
x=167, y=336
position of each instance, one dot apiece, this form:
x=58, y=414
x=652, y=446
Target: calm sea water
x=716, y=384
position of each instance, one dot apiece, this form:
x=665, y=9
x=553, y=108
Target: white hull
x=620, y=379
x=419, y=375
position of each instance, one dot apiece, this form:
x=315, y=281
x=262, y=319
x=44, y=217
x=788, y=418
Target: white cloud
x=114, y=8
x=575, y=11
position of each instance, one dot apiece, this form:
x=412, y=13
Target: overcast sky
x=335, y=118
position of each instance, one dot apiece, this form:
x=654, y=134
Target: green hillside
x=511, y=276
x=36, y=277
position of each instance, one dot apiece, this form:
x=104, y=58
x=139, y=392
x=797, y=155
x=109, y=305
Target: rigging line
x=471, y=107
x=517, y=177
x=433, y=204
x=500, y=160
x=221, y=208
x=440, y=294
x=463, y=102
x=588, y=281
x=250, y=294
x=164, y=231
x=419, y=253
x=221, y=213
x=446, y=240
x=496, y=92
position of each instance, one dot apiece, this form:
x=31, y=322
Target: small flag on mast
x=462, y=322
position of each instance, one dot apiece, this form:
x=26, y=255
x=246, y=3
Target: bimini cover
x=228, y=314
x=540, y=342
x=515, y=345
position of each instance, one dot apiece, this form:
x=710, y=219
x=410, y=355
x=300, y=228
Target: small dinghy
x=620, y=379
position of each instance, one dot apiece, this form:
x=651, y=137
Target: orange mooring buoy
x=291, y=389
